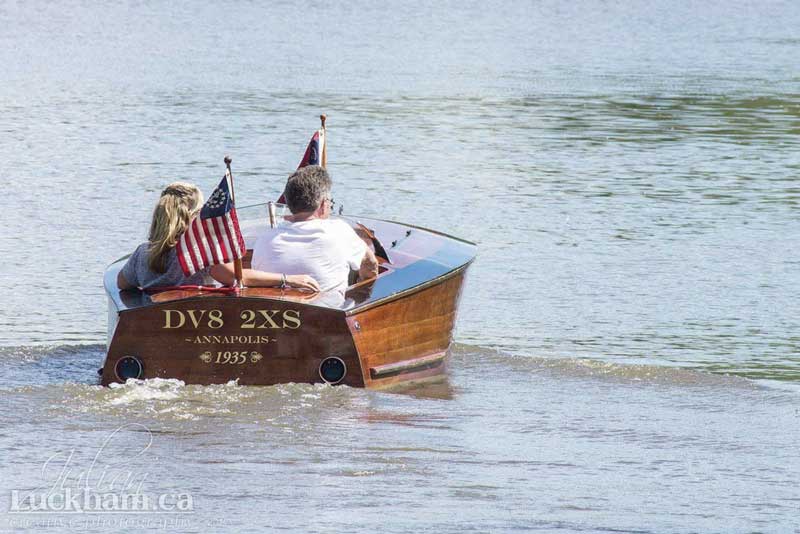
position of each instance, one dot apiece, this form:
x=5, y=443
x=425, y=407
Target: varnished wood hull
x=407, y=339
x=391, y=331
x=211, y=339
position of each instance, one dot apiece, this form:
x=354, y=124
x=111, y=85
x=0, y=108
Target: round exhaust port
x=129, y=367
x=332, y=370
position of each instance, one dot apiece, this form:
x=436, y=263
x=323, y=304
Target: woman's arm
x=130, y=280
x=123, y=283
x=224, y=274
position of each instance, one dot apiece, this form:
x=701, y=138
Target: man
x=310, y=243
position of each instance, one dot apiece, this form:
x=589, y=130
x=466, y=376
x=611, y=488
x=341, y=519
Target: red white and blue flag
x=313, y=154
x=213, y=237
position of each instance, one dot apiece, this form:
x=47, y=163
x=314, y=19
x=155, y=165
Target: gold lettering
x=235, y=357
x=196, y=320
x=291, y=317
x=249, y=318
x=168, y=319
x=215, y=318
x=226, y=340
x=268, y=315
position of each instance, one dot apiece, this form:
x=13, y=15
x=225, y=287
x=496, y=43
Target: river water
x=627, y=354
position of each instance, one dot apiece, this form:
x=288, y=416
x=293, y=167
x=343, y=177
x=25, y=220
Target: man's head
x=308, y=189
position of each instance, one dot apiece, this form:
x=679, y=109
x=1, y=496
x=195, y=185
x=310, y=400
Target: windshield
x=254, y=219
x=260, y=212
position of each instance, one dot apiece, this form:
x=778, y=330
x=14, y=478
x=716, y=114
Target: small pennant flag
x=213, y=237
x=313, y=154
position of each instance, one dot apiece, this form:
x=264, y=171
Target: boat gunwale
x=205, y=297
x=347, y=313
x=409, y=291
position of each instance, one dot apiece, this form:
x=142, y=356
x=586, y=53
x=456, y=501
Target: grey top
x=138, y=273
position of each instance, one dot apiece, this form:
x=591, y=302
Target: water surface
x=627, y=353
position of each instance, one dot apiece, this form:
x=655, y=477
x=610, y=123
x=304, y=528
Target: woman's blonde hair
x=178, y=204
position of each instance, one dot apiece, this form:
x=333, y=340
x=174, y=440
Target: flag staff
x=237, y=263
x=324, y=158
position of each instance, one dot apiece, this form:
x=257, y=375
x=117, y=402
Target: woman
x=155, y=262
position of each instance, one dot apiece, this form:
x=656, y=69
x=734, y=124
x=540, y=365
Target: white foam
x=133, y=390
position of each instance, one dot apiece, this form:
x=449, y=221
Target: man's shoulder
x=314, y=230
x=341, y=226
x=316, y=226
x=268, y=232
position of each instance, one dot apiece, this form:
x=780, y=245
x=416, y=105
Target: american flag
x=213, y=237
x=313, y=154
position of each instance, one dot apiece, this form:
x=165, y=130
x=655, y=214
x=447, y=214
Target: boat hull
x=258, y=340
x=407, y=339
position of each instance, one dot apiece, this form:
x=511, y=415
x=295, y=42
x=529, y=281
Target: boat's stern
x=214, y=339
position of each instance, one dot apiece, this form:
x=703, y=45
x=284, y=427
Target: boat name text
x=257, y=319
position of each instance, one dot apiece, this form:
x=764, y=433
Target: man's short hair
x=307, y=188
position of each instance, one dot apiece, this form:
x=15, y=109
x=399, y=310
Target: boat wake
x=47, y=365
x=63, y=382
x=33, y=366
x=475, y=358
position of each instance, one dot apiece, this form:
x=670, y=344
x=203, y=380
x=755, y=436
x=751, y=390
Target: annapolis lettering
x=255, y=319
x=228, y=340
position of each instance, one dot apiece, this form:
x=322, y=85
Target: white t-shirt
x=325, y=249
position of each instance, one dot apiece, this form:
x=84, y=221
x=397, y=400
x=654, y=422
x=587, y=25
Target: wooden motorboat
x=392, y=330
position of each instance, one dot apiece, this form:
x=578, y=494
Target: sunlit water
x=627, y=357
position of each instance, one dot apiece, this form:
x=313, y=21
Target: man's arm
x=369, y=266
x=224, y=274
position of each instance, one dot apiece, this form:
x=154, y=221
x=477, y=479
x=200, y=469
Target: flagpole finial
x=227, y=161
x=322, y=120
